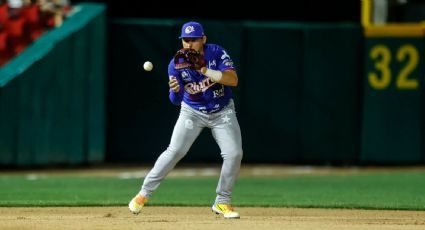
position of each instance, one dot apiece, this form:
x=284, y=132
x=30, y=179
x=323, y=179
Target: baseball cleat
x=136, y=204
x=226, y=210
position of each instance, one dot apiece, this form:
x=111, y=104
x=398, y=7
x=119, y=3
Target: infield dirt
x=189, y=218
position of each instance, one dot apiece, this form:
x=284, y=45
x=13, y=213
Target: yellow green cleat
x=227, y=211
x=137, y=203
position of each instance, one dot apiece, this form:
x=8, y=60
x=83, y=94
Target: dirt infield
x=189, y=218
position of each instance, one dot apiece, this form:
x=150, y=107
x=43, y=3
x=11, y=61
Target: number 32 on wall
x=380, y=78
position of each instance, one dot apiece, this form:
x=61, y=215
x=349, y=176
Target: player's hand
x=174, y=84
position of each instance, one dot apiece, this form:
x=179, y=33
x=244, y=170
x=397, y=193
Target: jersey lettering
x=218, y=92
x=197, y=87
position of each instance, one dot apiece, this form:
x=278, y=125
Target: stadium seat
x=5, y=54
x=15, y=30
x=4, y=15
x=31, y=14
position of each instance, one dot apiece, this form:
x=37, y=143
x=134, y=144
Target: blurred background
x=320, y=82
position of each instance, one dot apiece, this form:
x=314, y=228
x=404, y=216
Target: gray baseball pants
x=226, y=132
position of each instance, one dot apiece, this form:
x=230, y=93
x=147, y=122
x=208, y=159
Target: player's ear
x=204, y=39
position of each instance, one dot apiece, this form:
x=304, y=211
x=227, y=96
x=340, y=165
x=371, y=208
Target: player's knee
x=239, y=154
x=235, y=154
x=175, y=154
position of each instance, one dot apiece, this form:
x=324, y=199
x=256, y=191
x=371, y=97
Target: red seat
x=3, y=41
x=5, y=54
x=15, y=30
x=31, y=14
x=4, y=14
x=4, y=59
x=15, y=27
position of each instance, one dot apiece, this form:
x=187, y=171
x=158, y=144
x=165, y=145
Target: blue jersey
x=196, y=89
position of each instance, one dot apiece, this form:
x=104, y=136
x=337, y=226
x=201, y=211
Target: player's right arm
x=174, y=84
x=176, y=91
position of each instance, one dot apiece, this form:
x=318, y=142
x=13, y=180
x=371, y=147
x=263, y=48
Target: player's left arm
x=226, y=72
x=227, y=77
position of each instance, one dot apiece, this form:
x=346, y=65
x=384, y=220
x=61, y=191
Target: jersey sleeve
x=171, y=70
x=224, y=60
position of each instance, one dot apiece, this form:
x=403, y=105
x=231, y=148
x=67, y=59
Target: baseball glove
x=189, y=58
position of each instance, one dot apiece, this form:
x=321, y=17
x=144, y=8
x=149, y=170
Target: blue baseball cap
x=192, y=30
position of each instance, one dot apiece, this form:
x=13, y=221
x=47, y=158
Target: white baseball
x=148, y=66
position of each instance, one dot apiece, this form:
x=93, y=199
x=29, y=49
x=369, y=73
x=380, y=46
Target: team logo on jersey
x=189, y=29
x=186, y=76
x=198, y=87
x=225, y=55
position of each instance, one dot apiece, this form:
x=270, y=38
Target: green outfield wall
x=393, y=105
x=303, y=97
x=298, y=99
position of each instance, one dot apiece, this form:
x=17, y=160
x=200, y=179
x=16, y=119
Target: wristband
x=214, y=75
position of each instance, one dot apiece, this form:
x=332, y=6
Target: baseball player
x=205, y=98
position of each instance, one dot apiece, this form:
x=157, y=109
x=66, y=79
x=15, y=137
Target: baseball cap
x=192, y=30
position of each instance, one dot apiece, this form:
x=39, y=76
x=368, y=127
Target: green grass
x=403, y=191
